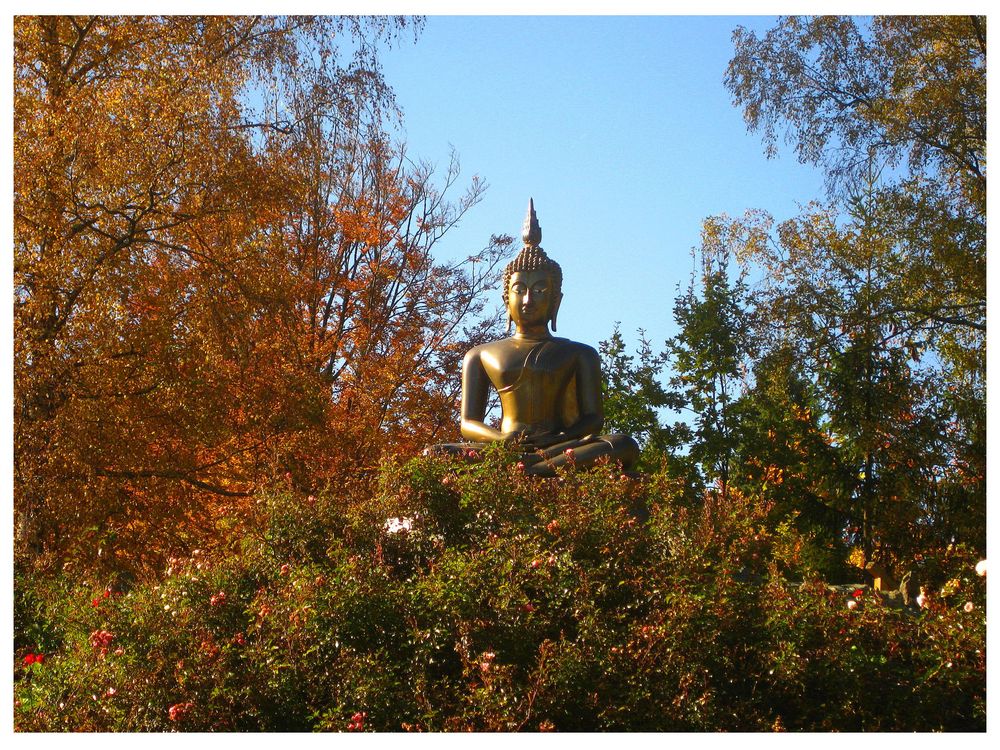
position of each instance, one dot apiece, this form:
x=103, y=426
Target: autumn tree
x=222, y=270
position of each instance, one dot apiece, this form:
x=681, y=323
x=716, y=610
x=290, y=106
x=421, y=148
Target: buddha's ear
x=510, y=321
x=555, y=310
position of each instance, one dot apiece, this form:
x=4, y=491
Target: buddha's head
x=532, y=282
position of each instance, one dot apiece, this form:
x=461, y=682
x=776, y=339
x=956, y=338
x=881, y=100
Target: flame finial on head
x=531, y=232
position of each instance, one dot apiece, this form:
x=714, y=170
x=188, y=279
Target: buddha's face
x=530, y=296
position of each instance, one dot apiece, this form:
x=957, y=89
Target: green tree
x=903, y=97
x=711, y=353
x=883, y=293
x=881, y=406
x=635, y=397
x=786, y=458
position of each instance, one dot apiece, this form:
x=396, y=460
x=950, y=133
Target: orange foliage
x=222, y=270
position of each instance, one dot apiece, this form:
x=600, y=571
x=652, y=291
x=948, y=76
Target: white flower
x=922, y=600
x=396, y=525
x=981, y=568
x=851, y=604
x=969, y=606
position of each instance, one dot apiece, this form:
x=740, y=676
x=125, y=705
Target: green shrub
x=462, y=597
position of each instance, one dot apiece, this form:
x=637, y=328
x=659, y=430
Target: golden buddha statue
x=549, y=388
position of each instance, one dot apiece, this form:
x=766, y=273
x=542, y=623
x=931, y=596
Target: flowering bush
x=473, y=597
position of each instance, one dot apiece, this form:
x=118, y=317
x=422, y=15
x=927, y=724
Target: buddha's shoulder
x=564, y=346
x=576, y=347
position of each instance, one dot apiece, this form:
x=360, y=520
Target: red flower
x=858, y=593
x=39, y=658
x=107, y=593
x=286, y=569
x=357, y=722
x=217, y=599
x=96, y=602
x=101, y=639
x=29, y=659
x=179, y=710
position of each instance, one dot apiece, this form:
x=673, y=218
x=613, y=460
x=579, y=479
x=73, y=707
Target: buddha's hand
x=530, y=438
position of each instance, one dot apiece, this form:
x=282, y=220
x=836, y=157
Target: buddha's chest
x=545, y=367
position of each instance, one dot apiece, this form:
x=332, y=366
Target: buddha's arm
x=475, y=395
x=588, y=396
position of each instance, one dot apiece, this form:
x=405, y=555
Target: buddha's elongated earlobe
x=555, y=310
x=510, y=322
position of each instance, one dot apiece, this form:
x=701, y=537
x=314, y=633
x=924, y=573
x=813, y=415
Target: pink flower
x=474, y=455
x=981, y=568
x=852, y=604
x=286, y=569
x=535, y=563
x=553, y=526
x=111, y=691
x=969, y=606
x=520, y=466
x=239, y=639
x=217, y=599
x=570, y=454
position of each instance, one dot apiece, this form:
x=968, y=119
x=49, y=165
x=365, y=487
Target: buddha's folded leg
x=586, y=451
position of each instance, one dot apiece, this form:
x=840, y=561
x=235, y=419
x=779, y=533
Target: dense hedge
x=458, y=599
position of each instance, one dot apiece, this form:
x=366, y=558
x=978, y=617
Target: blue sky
x=621, y=130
